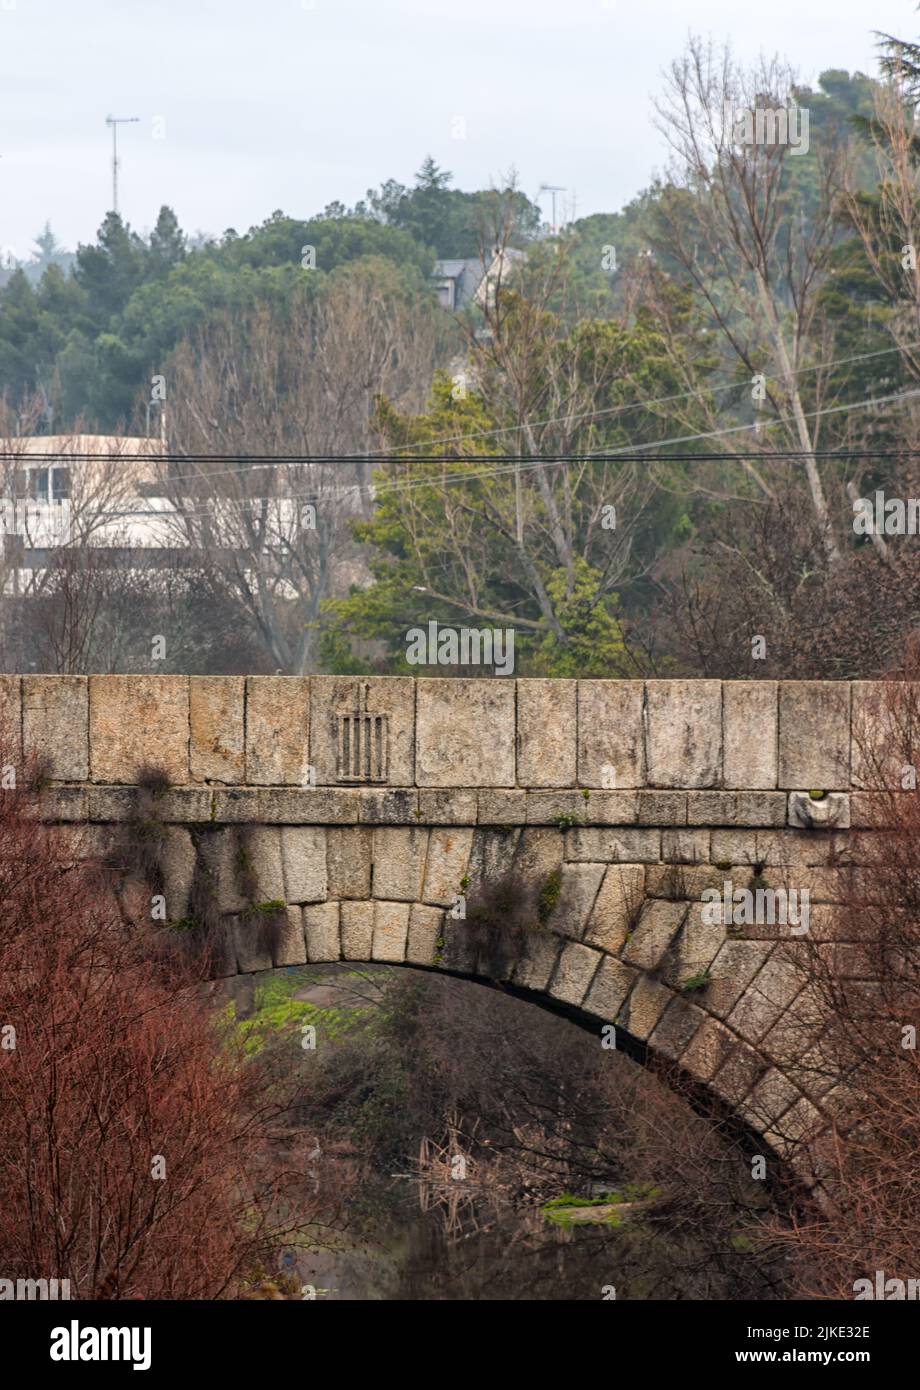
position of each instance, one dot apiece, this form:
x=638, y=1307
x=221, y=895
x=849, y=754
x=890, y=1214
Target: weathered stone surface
x=290, y=946
x=539, y=853
x=712, y=808
x=537, y=961
x=252, y=952
x=772, y=991
x=379, y=806
x=58, y=804
x=138, y=721
x=694, y=948
x=662, y=808
x=349, y=856
x=609, y=988
x=604, y=845
x=217, y=742
x=577, y=895
x=769, y=1100
x=450, y=807
x=658, y=925
x=303, y=857
x=676, y=1027
x=502, y=807
x=734, y=847
x=612, y=808
x=425, y=931
x=797, y=847
x=643, y=1008
x=749, y=723
x=392, y=696
x=357, y=930
x=55, y=725
x=546, y=733
x=391, y=930
x=448, y=860
x=689, y=881
x=617, y=907
x=465, y=733
x=300, y=806
x=399, y=862
x=220, y=853
x=709, y=1048
x=831, y=812
x=685, y=846
x=321, y=930
x=574, y=972
x=739, y=1072
x=814, y=735
x=610, y=735
x=177, y=861
x=10, y=720
x=278, y=730
x=493, y=854
x=550, y=808
x=760, y=808
x=683, y=732
x=260, y=855
x=732, y=972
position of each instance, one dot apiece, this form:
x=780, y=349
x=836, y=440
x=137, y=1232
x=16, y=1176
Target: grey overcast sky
x=289, y=104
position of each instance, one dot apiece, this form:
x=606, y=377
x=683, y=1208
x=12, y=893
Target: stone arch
x=618, y=947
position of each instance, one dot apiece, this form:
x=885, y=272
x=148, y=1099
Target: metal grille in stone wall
x=362, y=743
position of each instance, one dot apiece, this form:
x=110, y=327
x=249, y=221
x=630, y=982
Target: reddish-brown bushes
x=141, y=1153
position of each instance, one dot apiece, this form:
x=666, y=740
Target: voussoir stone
x=391, y=930
x=303, y=857
x=617, y=906
x=357, y=919
x=321, y=931
x=349, y=858
x=399, y=862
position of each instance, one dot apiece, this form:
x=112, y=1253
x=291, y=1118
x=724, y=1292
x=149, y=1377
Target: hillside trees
x=527, y=542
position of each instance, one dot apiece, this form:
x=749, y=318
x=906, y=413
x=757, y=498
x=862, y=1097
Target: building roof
x=100, y=444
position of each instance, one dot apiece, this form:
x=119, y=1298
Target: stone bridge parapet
x=369, y=812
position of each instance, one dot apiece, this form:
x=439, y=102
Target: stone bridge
x=366, y=815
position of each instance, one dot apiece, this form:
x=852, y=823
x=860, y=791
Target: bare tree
x=296, y=381
x=734, y=222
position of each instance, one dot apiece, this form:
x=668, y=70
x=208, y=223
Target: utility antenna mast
x=115, y=122
x=552, y=188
